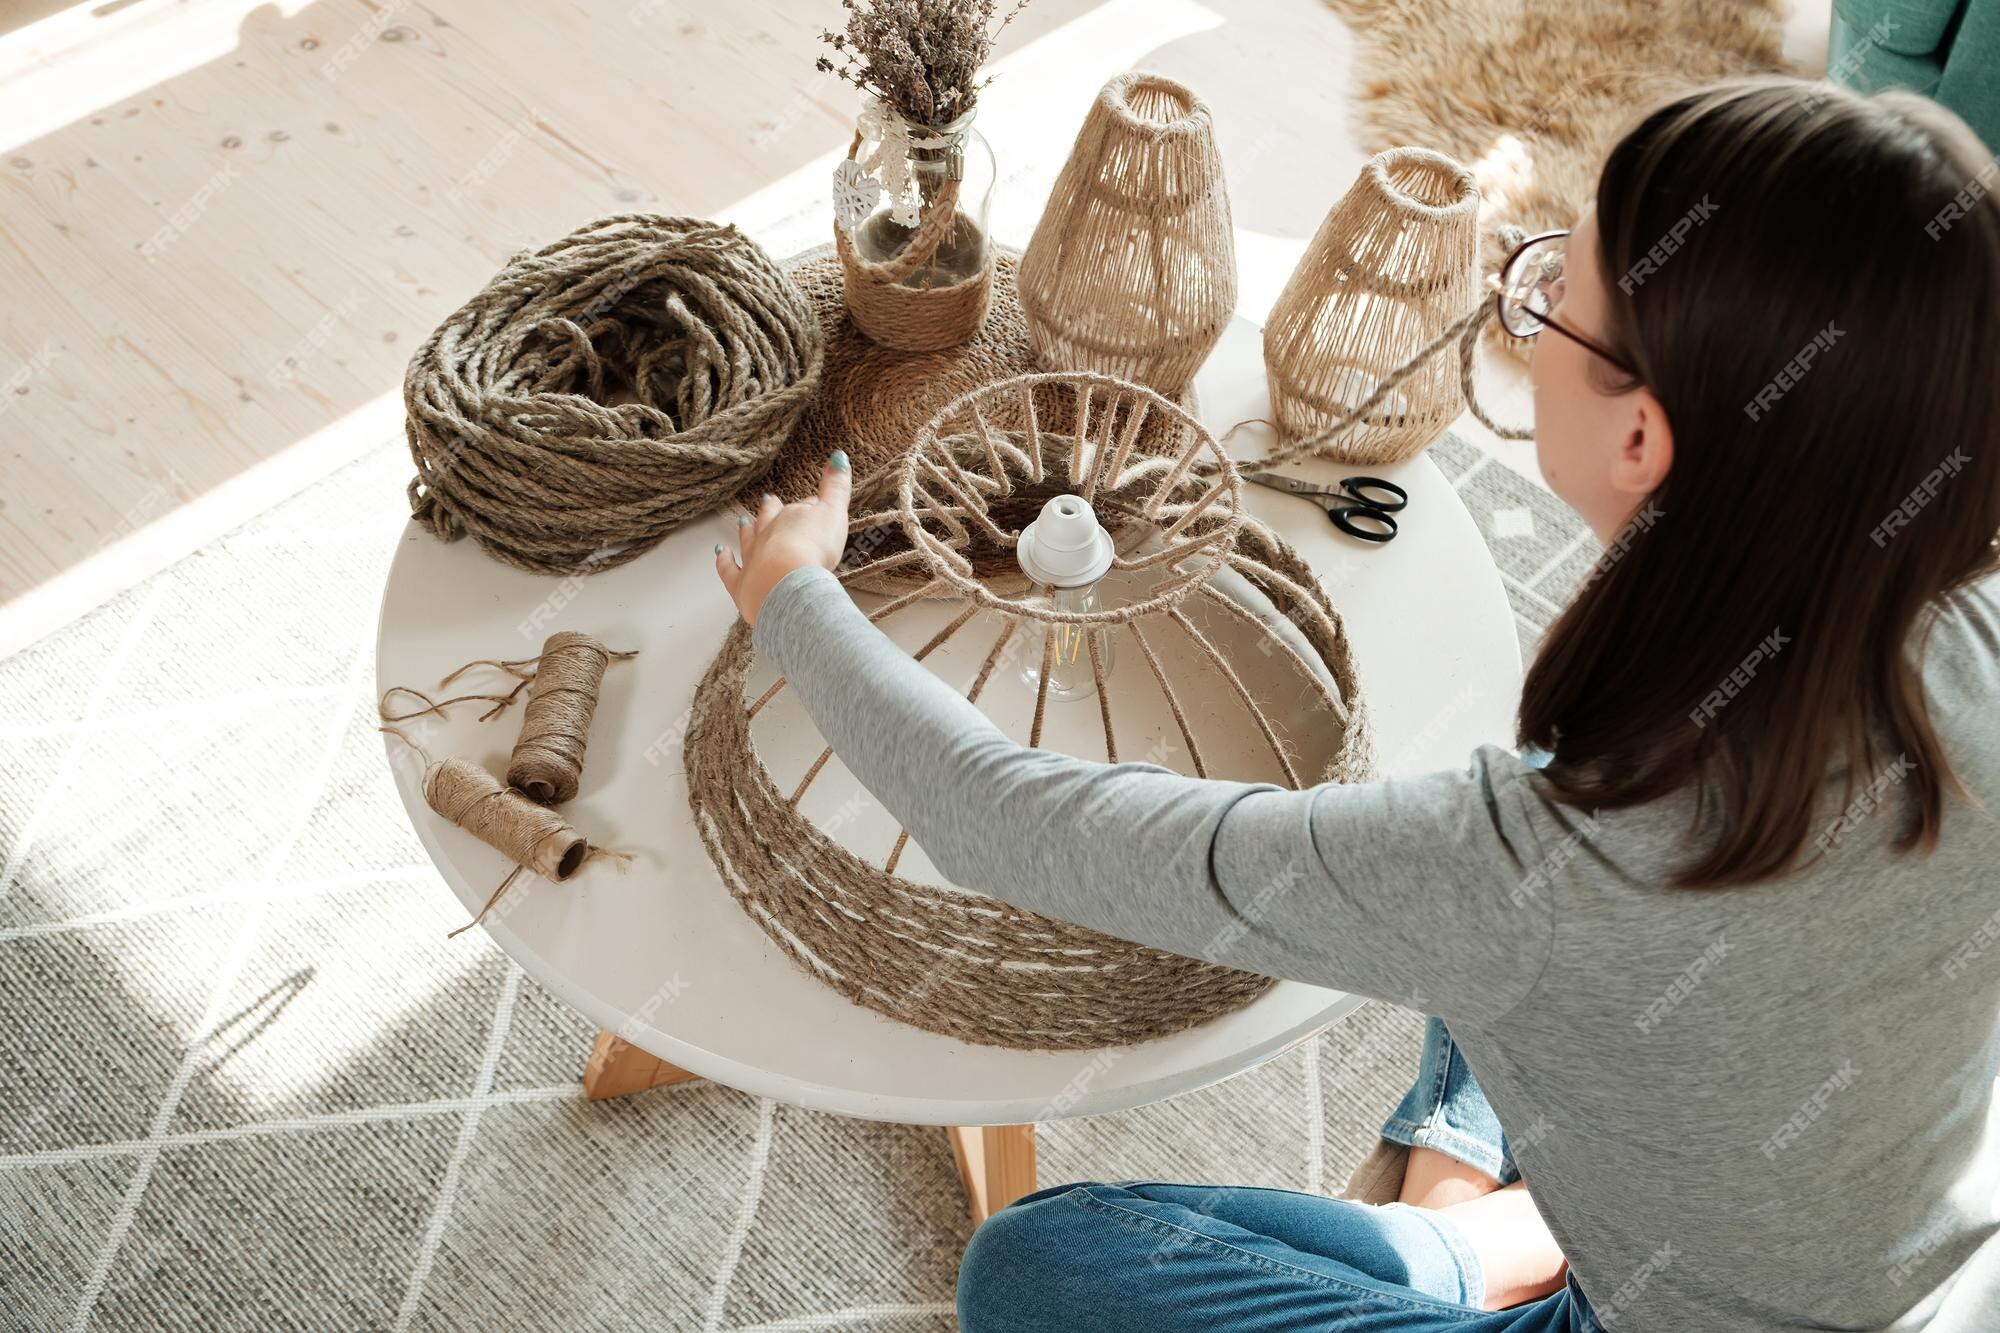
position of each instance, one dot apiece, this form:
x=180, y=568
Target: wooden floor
x=225, y=225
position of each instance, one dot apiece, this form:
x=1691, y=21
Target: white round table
x=664, y=957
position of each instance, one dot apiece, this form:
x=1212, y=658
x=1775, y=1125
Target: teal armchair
x=1948, y=50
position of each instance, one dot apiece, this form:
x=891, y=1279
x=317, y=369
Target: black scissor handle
x=1345, y=518
x=1358, y=488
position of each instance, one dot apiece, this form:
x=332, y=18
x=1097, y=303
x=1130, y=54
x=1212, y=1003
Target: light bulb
x=1070, y=675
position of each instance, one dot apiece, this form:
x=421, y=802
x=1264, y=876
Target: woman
x=1727, y=963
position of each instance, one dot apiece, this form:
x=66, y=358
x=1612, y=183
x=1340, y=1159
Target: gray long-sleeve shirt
x=1765, y=1107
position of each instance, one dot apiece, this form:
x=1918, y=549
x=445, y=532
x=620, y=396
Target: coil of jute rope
x=606, y=388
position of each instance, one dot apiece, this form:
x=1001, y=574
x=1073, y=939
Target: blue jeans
x=1148, y=1257
x=1444, y=1110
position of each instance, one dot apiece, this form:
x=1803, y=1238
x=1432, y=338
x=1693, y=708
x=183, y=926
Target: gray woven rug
x=247, y=1084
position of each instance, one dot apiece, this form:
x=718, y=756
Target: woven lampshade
x=1223, y=630
x=1391, y=267
x=1132, y=268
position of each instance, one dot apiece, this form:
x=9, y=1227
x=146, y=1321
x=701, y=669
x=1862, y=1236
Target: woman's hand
x=780, y=538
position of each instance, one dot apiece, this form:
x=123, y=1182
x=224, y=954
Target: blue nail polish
x=718, y=548
x=742, y=519
x=839, y=459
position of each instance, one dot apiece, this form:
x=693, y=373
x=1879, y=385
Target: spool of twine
x=547, y=763
x=532, y=835
x=915, y=319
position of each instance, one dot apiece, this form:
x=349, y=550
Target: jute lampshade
x=1132, y=269
x=1226, y=630
x=1391, y=267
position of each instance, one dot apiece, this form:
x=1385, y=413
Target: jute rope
x=920, y=317
x=605, y=389
x=961, y=964
x=1464, y=331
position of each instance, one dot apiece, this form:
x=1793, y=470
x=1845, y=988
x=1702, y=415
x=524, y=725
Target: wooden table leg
x=617, y=1068
x=997, y=1164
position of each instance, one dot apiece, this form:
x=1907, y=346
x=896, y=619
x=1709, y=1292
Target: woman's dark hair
x=1809, y=282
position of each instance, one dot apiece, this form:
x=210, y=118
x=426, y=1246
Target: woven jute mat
x=872, y=400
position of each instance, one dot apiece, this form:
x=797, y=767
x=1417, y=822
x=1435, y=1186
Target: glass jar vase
x=912, y=207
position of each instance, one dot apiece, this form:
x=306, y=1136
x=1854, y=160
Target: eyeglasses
x=1531, y=285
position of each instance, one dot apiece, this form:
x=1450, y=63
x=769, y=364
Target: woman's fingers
x=836, y=481
x=750, y=528
x=727, y=569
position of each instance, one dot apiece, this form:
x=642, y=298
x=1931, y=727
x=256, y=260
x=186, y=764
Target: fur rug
x=1531, y=93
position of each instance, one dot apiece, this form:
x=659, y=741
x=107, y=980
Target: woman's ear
x=1647, y=454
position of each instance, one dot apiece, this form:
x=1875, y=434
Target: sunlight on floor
x=60, y=69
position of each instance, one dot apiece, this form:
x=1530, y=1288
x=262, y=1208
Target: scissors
x=1351, y=506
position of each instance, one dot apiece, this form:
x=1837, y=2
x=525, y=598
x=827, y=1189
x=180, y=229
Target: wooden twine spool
x=547, y=763
x=915, y=319
x=1393, y=263
x=1131, y=271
